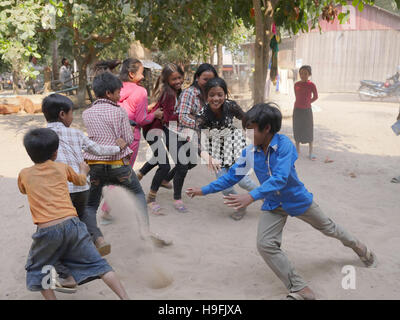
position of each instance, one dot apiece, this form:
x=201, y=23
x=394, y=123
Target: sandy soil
x=214, y=257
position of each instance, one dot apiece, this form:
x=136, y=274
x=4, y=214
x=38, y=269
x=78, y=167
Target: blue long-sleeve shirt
x=279, y=183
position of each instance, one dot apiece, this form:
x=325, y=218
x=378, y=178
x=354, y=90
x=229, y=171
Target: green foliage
x=92, y=26
x=304, y=15
x=390, y=5
x=21, y=27
x=188, y=24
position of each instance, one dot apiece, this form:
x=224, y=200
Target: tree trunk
x=81, y=94
x=54, y=65
x=15, y=82
x=211, y=51
x=261, y=46
x=220, y=60
x=47, y=80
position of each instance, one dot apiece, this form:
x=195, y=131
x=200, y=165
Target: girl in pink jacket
x=134, y=100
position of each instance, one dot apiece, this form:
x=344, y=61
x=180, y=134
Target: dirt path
x=214, y=257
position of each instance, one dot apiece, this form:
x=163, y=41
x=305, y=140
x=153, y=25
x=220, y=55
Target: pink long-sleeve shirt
x=134, y=100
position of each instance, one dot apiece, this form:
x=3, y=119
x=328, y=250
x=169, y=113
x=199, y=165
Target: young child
x=303, y=124
x=272, y=157
x=225, y=141
x=58, y=111
x=133, y=99
x=191, y=102
x=105, y=121
x=60, y=235
x=166, y=92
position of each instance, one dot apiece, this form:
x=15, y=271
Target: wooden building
x=367, y=46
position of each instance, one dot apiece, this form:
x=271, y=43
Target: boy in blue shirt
x=272, y=157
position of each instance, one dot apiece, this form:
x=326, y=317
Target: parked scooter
x=374, y=89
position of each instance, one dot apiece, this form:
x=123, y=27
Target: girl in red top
x=167, y=91
x=303, y=124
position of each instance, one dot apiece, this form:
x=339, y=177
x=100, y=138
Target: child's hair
x=129, y=65
x=53, y=104
x=162, y=86
x=106, y=65
x=41, y=144
x=63, y=61
x=105, y=82
x=264, y=114
x=215, y=82
x=306, y=67
x=203, y=68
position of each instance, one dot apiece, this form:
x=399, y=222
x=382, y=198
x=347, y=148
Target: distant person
x=34, y=84
x=397, y=179
x=303, y=123
x=65, y=74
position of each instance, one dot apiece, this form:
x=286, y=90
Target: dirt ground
x=214, y=257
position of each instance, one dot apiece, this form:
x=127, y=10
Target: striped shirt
x=105, y=122
x=72, y=142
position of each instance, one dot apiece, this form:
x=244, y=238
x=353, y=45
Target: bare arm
x=315, y=93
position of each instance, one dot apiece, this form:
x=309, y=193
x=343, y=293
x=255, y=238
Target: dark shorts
x=70, y=243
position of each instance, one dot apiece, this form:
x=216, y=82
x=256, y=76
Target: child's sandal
x=156, y=209
x=179, y=206
x=64, y=289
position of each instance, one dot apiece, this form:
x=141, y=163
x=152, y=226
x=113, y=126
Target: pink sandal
x=156, y=209
x=178, y=205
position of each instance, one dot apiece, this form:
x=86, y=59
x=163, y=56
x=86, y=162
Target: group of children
x=68, y=236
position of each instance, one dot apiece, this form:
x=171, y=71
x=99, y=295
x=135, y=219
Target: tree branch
x=104, y=40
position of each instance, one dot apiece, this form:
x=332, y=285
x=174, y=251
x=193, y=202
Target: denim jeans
x=69, y=243
x=104, y=174
x=246, y=183
x=79, y=201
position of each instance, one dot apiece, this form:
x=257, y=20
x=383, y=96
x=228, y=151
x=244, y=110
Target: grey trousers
x=269, y=239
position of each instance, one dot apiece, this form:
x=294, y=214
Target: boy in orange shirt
x=60, y=235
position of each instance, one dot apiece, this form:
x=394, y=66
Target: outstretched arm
x=98, y=149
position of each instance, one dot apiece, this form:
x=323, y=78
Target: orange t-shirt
x=46, y=186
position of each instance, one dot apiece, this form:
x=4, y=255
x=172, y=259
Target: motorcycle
x=370, y=89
